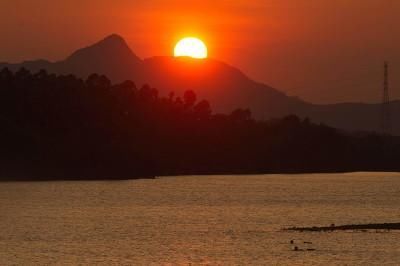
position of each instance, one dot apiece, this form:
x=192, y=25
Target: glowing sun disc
x=191, y=47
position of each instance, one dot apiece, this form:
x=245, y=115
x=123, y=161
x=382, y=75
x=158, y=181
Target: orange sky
x=323, y=51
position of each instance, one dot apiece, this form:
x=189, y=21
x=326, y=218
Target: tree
x=202, y=110
x=189, y=99
x=6, y=74
x=241, y=115
x=96, y=81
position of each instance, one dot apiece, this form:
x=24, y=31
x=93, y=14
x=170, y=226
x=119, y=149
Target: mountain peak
x=112, y=46
x=111, y=56
x=114, y=38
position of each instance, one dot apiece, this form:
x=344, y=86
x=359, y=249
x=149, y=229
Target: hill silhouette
x=226, y=87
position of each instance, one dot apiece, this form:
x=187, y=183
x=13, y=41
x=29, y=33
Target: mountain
x=111, y=56
x=226, y=87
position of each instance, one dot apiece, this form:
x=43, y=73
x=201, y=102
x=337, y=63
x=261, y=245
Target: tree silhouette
x=189, y=99
x=63, y=127
x=202, y=110
x=241, y=115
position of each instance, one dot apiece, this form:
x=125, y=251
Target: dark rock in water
x=361, y=227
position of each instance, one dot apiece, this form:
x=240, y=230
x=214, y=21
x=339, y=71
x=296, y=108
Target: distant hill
x=226, y=87
x=111, y=57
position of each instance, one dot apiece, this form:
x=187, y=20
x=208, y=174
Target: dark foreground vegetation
x=62, y=127
x=362, y=227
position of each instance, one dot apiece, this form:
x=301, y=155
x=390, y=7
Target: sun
x=191, y=47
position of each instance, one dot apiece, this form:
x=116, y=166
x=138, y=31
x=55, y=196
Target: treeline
x=63, y=127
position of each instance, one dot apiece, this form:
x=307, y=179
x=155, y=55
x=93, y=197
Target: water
x=215, y=220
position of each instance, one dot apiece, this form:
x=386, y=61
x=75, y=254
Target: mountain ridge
x=225, y=86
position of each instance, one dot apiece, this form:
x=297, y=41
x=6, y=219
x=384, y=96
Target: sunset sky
x=322, y=51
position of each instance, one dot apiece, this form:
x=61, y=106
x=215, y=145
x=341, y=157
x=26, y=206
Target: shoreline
x=153, y=177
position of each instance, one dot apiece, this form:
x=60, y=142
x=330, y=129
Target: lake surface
x=214, y=220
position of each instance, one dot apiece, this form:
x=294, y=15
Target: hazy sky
x=321, y=50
